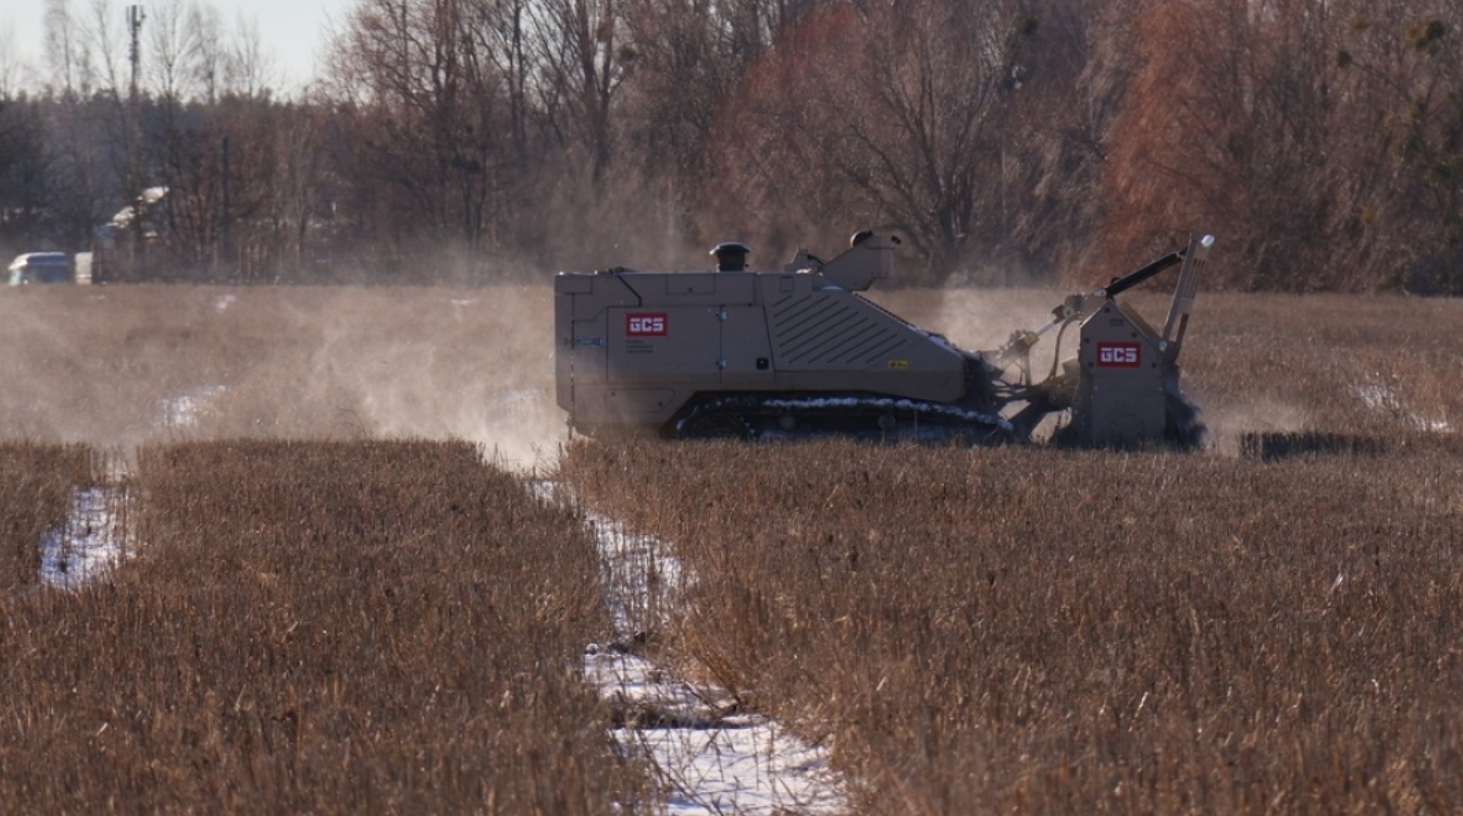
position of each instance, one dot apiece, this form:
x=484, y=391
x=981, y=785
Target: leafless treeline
x=1006, y=140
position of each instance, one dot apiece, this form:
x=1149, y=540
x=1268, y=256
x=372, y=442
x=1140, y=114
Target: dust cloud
x=973, y=319
x=118, y=367
x=122, y=366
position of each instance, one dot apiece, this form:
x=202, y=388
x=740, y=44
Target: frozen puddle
x=711, y=762
x=90, y=542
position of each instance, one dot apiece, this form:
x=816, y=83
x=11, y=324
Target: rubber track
x=855, y=416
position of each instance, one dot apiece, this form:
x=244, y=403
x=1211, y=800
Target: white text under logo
x=1120, y=355
x=642, y=324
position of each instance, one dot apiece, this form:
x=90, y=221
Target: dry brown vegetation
x=1031, y=631
x=38, y=480
x=344, y=627
x=1034, y=631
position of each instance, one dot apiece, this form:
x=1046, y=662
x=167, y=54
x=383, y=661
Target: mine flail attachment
x=1122, y=387
x=1177, y=324
x=1177, y=426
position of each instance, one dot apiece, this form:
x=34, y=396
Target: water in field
x=90, y=542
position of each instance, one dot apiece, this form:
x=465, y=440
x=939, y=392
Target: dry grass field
x=337, y=627
x=1031, y=631
x=320, y=620
x=1038, y=631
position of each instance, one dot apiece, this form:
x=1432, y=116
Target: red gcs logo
x=642, y=324
x=1120, y=355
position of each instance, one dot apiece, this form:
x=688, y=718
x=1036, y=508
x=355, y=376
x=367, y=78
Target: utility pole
x=135, y=16
x=138, y=255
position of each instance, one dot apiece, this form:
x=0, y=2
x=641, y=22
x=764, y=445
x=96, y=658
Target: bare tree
x=63, y=51
x=1272, y=121
x=248, y=70
x=102, y=49
x=585, y=61
x=1401, y=66
x=439, y=125
x=207, y=55
x=1319, y=136
x=690, y=56
x=23, y=193
x=883, y=117
x=173, y=49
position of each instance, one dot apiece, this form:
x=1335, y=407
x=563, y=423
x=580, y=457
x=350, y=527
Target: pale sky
x=292, y=32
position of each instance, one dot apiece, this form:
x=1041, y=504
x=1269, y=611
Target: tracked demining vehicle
x=799, y=352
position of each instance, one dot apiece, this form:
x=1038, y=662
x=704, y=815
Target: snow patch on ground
x=891, y=404
x=91, y=541
x=711, y=758
x=458, y=304
x=711, y=762
x=1384, y=398
x=644, y=582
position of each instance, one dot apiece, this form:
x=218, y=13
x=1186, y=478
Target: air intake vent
x=823, y=332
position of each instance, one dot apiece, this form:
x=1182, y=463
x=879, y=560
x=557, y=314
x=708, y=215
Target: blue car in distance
x=40, y=267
